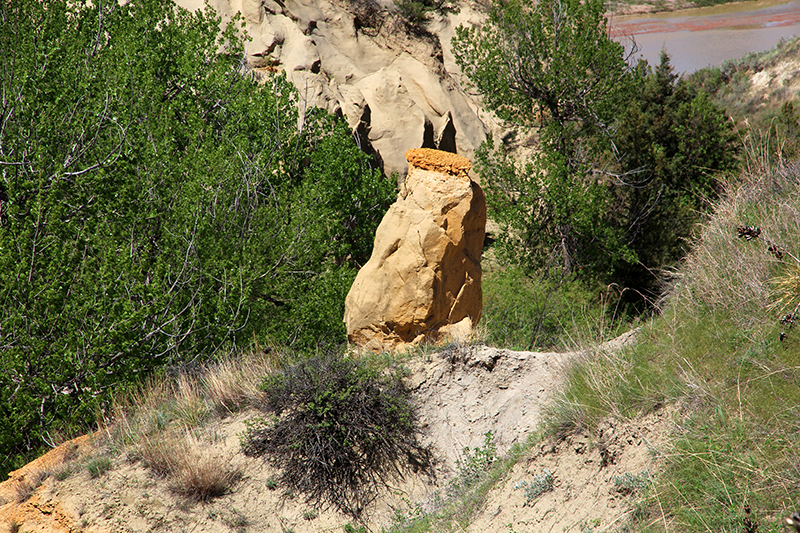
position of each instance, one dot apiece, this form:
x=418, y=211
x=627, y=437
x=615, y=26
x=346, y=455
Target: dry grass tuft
x=219, y=389
x=786, y=290
x=27, y=486
x=159, y=452
x=190, y=407
x=23, y=491
x=193, y=469
x=155, y=424
x=201, y=475
x=734, y=274
x=233, y=384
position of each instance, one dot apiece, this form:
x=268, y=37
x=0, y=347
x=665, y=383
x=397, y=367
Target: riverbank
x=625, y=10
x=701, y=37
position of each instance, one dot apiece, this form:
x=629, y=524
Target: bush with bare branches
x=343, y=430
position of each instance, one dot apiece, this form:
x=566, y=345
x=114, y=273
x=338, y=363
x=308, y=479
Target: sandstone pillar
x=423, y=280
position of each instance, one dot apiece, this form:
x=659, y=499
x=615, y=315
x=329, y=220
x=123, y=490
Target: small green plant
x=540, y=484
x=474, y=464
x=97, y=466
x=343, y=429
x=236, y=521
x=350, y=528
x=272, y=483
x=409, y=513
x=628, y=483
x=309, y=515
x=63, y=472
x=418, y=12
x=589, y=526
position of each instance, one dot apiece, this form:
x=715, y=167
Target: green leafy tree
x=158, y=203
x=550, y=64
x=627, y=155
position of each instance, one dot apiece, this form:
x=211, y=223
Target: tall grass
x=189, y=399
x=158, y=423
x=718, y=353
x=545, y=312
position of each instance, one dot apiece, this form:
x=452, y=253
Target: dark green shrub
x=418, y=12
x=674, y=143
x=343, y=430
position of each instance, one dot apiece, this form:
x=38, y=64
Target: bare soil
x=462, y=392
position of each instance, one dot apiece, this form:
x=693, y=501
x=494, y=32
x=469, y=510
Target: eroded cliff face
x=423, y=281
x=396, y=89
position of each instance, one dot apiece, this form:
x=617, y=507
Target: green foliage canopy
x=548, y=62
x=605, y=184
x=157, y=204
x=550, y=65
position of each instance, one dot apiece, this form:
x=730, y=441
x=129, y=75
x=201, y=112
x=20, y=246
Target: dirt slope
x=463, y=392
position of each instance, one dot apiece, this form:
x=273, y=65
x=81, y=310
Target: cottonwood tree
x=549, y=64
x=589, y=196
x=158, y=204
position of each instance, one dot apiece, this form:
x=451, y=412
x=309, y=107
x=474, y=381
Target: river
x=697, y=38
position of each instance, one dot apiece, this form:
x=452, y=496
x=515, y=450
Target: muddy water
x=697, y=38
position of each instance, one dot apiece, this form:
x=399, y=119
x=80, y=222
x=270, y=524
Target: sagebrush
x=342, y=430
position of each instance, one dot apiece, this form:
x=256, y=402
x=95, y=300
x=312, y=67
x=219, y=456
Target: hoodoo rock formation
x=423, y=281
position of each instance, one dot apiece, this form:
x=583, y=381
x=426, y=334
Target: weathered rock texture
x=357, y=58
x=423, y=281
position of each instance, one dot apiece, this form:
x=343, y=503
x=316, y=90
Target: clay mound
x=21, y=500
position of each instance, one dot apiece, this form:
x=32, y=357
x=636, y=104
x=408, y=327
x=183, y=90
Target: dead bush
x=342, y=431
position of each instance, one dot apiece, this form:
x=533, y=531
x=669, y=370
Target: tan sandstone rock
x=423, y=281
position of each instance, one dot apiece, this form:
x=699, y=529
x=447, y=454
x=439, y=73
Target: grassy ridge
x=717, y=351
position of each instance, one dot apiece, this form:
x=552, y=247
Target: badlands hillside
x=480, y=408
x=98, y=484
